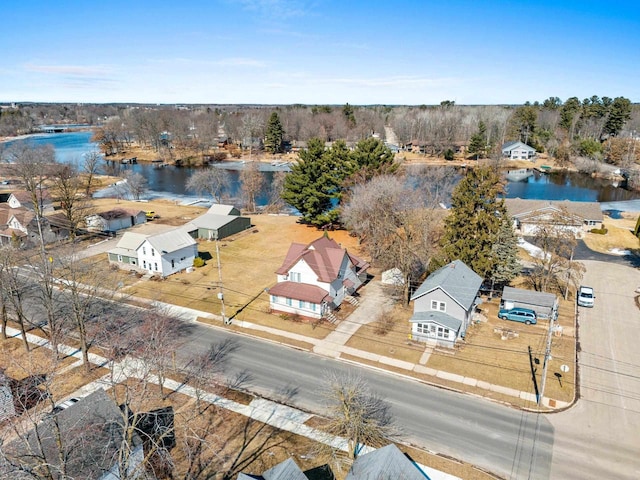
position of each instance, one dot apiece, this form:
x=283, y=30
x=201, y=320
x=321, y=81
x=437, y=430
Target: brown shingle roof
x=300, y=291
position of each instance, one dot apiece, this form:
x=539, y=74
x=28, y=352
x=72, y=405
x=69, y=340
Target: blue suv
x=523, y=315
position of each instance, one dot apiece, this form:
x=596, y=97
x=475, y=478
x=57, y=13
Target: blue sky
x=318, y=51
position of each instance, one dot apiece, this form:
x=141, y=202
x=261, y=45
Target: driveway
x=582, y=252
x=600, y=436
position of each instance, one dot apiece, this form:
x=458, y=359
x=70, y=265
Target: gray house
x=219, y=222
x=516, y=150
x=90, y=439
x=544, y=304
x=444, y=304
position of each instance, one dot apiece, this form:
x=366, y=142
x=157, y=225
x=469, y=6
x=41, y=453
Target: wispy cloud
x=240, y=62
x=281, y=9
x=75, y=70
x=222, y=62
x=400, y=81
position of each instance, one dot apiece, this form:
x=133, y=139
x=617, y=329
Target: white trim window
x=422, y=327
x=437, y=305
x=294, y=277
x=443, y=332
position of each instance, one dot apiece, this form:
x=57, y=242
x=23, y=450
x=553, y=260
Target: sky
x=318, y=51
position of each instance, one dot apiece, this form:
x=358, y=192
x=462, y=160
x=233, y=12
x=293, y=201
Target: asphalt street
x=509, y=442
x=599, y=437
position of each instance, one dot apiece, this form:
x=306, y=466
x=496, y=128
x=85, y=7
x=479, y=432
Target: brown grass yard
x=620, y=235
x=249, y=261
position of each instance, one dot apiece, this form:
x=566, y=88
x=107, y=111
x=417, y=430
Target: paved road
x=582, y=252
x=511, y=443
x=600, y=436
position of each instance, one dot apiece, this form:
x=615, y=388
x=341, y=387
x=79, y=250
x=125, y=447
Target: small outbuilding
x=544, y=304
x=219, y=222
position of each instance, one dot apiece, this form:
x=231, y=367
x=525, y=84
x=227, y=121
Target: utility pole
x=547, y=357
x=221, y=292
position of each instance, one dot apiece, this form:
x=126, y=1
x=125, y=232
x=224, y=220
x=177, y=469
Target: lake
x=170, y=181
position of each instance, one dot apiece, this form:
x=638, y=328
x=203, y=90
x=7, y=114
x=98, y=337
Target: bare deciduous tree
x=356, y=414
x=136, y=184
x=213, y=181
x=251, y=181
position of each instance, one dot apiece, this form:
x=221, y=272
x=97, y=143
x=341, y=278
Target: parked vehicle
x=523, y=315
x=151, y=215
x=585, y=296
x=64, y=405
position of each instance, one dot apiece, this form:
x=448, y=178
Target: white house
x=167, y=253
x=24, y=199
x=162, y=254
x=314, y=279
x=515, y=150
x=114, y=220
x=444, y=304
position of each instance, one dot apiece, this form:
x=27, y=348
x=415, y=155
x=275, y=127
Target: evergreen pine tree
x=274, y=134
x=472, y=227
x=505, y=255
x=478, y=142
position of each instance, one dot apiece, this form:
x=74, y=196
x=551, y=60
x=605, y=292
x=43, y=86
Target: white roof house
x=516, y=150
x=163, y=254
x=167, y=253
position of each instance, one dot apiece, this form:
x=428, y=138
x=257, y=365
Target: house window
x=300, y=304
x=422, y=327
x=436, y=305
x=590, y=222
x=289, y=302
x=144, y=264
x=120, y=258
x=294, y=277
x=274, y=299
x=173, y=263
x=155, y=267
x=133, y=261
x=144, y=250
x=313, y=307
x=443, y=332
x=153, y=252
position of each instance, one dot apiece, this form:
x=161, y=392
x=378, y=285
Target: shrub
x=219, y=156
x=198, y=262
x=449, y=154
x=599, y=231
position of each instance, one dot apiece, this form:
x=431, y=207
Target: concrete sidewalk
x=271, y=413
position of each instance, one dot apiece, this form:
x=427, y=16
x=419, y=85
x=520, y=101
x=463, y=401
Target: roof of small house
x=387, y=462
x=119, y=213
x=131, y=240
x=517, y=144
x=23, y=215
x=24, y=197
x=171, y=241
x=300, y=291
x=211, y=221
x=91, y=431
x=520, y=207
x=324, y=256
x=457, y=280
x=436, y=316
x=540, y=299
x=219, y=209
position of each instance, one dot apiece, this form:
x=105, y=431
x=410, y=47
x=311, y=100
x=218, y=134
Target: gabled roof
x=541, y=299
x=24, y=197
x=287, y=470
x=386, y=463
x=300, y=291
x=91, y=432
x=119, y=213
x=22, y=214
x=457, y=280
x=131, y=240
x=219, y=209
x=324, y=256
x=211, y=221
x=170, y=241
x=519, y=207
x=437, y=316
x=517, y=144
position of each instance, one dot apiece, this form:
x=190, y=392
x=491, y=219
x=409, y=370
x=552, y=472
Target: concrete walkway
x=271, y=413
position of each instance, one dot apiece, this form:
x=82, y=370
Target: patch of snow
x=619, y=251
x=531, y=249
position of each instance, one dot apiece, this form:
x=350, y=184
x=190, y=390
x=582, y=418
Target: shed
x=216, y=226
x=544, y=304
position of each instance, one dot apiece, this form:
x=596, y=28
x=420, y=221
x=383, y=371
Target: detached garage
x=219, y=222
x=544, y=304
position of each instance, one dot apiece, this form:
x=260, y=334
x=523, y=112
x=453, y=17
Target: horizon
x=318, y=52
